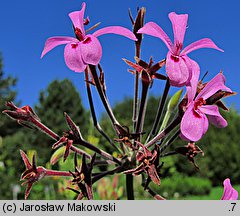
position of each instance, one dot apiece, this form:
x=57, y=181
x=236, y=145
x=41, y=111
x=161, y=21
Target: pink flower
x=194, y=123
x=179, y=67
x=85, y=48
x=229, y=192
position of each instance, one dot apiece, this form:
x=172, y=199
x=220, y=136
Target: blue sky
x=26, y=24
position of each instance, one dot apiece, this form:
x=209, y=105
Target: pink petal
x=155, y=30
x=91, y=50
x=55, y=41
x=214, y=85
x=213, y=115
x=179, y=24
x=73, y=57
x=203, y=43
x=77, y=18
x=177, y=71
x=115, y=30
x=229, y=192
x=192, y=126
x=193, y=83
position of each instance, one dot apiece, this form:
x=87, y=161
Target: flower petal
x=192, y=126
x=214, y=116
x=73, y=57
x=214, y=85
x=155, y=30
x=192, y=85
x=91, y=50
x=179, y=24
x=229, y=192
x=203, y=43
x=177, y=70
x=77, y=18
x=55, y=41
x=115, y=30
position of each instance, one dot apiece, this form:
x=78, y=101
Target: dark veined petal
x=179, y=24
x=77, y=18
x=214, y=115
x=229, y=192
x=115, y=30
x=73, y=57
x=193, y=126
x=56, y=41
x=177, y=70
x=155, y=30
x=91, y=50
x=203, y=43
x=215, y=84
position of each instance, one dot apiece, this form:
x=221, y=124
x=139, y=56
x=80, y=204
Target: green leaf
x=57, y=155
x=172, y=104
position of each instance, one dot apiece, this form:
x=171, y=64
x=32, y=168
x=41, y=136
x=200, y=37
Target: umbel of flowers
x=139, y=152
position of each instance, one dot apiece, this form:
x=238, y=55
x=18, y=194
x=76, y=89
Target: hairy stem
x=57, y=173
x=45, y=129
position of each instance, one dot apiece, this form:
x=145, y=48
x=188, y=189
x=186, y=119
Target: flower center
x=74, y=46
x=175, y=58
x=79, y=35
x=197, y=104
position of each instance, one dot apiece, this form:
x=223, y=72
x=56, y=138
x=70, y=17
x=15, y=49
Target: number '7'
x=234, y=204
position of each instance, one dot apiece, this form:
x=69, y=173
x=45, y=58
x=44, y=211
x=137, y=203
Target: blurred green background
x=180, y=179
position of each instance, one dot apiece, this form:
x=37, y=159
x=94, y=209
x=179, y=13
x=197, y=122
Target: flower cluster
x=132, y=156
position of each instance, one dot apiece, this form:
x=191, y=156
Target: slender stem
x=45, y=129
x=93, y=113
x=57, y=173
x=142, y=109
x=170, y=141
x=109, y=172
x=168, y=154
x=129, y=186
x=99, y=151
x=154, y=194
x=80, y=152
x=103, y=163
x=102, y=95
x=160, y=110
x=165, y=132
x=136, y=87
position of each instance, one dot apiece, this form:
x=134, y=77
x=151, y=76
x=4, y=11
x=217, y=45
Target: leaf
x=57, y=155
x=173, y=102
